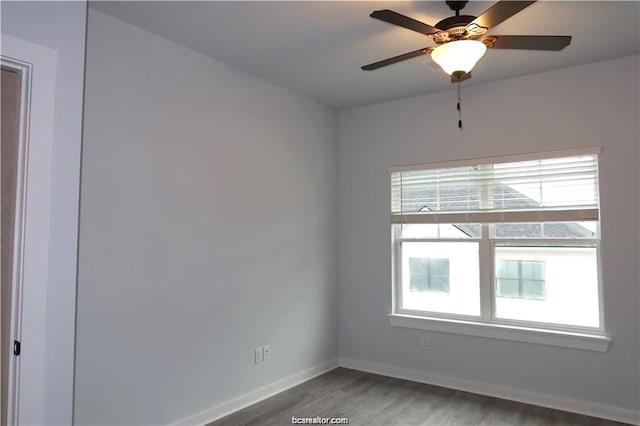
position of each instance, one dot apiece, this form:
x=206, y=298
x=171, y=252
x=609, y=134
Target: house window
x=509, y=241
x=521, y=279
x=428, y=274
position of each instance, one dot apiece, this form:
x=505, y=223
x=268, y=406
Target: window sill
x=588, y=342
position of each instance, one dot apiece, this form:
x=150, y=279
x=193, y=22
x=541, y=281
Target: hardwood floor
x=370, y=399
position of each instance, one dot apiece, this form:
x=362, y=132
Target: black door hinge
x=16, y=347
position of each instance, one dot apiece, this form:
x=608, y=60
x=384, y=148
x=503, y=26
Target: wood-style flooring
x=370, y=399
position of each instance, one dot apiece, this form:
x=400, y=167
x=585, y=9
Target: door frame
x=16, y=281
x=37, y=65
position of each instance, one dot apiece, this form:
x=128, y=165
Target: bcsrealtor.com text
x=319, y=420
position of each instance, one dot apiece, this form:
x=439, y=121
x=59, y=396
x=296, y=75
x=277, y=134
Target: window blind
x=543, y=190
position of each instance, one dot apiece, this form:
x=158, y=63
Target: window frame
x=397, y=292
x=486, y=250
x=595, y=336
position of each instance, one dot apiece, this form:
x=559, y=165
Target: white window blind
x=564, y=188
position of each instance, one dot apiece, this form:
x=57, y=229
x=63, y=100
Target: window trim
x=516, y=333
x=487, y=325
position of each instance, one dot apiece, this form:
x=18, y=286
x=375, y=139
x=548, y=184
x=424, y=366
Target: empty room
x=320, y=212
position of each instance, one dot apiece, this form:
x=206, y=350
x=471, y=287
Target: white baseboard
x=497, y=391
x=250, y=398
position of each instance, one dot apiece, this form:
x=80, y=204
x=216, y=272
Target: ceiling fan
x=460, y=39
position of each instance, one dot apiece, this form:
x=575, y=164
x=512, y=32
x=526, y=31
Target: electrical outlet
x=425, y=343
x=266, y=353
x=259, y=356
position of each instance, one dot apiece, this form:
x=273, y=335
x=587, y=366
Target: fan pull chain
x=459, y=107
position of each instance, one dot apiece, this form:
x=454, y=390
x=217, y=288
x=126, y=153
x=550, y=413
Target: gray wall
x=60, y=26
x=591, y=105
x=207, y=228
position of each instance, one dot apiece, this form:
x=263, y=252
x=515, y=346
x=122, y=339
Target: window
x=429, y=274
x=508, y=241
x=522, y=279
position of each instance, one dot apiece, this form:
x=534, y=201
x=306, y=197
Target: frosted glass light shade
x=459, y=55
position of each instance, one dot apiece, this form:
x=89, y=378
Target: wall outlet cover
x=266, y=353
x=425, y=343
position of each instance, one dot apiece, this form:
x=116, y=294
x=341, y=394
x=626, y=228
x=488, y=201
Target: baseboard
x=218, y=411
x=497, y=391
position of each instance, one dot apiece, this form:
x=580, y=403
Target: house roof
x=506, y=197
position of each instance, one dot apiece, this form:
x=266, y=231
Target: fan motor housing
x=456, y=28
x=454, y=21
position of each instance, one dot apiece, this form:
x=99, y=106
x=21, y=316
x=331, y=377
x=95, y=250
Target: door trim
x=37, y=64
x=13, y=380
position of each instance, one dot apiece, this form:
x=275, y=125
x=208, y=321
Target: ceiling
x=316, y=48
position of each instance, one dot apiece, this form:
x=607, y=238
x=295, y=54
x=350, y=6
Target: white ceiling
x=316, y=48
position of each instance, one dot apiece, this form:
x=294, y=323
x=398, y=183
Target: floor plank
x=371, y=400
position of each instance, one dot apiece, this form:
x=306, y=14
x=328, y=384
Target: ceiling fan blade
x=396, y=18
x=539, y=42
x=398, y=58
x=499, y=12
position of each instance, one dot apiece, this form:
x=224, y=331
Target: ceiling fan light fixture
x=459, y=55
